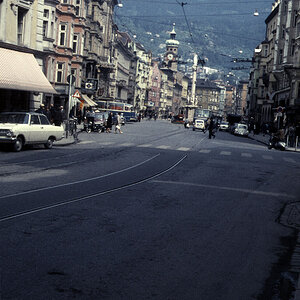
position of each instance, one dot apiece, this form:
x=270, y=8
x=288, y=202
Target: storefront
x=22, y=82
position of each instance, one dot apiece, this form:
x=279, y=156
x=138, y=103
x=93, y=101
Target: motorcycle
x=276, y=143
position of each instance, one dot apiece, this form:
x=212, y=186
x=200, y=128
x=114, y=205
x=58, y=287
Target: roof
x=21, y=71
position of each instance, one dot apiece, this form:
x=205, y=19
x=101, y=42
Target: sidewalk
x=264, y=139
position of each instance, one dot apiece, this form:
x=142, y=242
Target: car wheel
x=18, y=145
x=49, y=144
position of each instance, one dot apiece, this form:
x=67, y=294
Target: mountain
x=217, y=31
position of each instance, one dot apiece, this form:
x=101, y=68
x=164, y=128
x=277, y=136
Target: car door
x=47, y=128
x=36, y=131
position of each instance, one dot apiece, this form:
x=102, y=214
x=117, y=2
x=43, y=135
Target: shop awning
x=88, y=101
x=21, y=71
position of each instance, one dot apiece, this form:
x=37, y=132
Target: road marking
x=145, y=145
x=215, y=187
x=163, y=147
x=225, y=153
x=289, y=160
x=126, y=144
x=205, y=151
x=87, y=142
x=269, y=157
x=106, y=143
x=183, y=149
x=246, y=155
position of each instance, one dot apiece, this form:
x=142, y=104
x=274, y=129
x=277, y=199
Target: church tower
x=171, y=55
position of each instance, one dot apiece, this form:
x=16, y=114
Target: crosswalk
x=222, y=153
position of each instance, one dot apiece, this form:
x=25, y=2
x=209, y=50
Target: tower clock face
x=170, y=56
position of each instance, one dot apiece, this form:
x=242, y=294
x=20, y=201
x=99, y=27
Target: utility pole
x=195, y=65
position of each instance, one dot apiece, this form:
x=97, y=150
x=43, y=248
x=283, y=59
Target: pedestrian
x=59, y=116
x=52, y=113
x=139, y=117
x=118, y=123
x=109, y=123
x=211, y=129
x=41, y=109
x=291, y=135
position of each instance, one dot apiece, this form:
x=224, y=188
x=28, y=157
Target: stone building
x=23, y=84
x=274, y=88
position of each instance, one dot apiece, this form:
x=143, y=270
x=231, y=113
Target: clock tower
x=171, y=55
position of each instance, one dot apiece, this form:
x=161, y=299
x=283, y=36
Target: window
x=44, y=120
x=298, y=29
x=77, y=7
x=265, y=51
x=21, y=24
x=45, y=28
x=59, y=72
x=75, y=43
x=35, y=120
x=280, y=56
x=283, y=31
x=46, y=13
x=293, y=46
x=62, y=34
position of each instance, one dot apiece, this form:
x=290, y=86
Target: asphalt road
x=159, y=212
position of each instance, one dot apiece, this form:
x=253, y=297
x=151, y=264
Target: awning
x=21, y=71
x=88, y=101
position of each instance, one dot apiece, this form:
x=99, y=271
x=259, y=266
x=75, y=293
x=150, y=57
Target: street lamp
x=256, y=14
x=120, y=4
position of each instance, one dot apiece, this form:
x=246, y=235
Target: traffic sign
x=77, y=95
x=71, y=79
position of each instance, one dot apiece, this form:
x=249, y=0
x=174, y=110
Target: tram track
x=41, y=208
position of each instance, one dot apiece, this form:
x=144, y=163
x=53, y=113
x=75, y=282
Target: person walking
x=211, y=129
x=118, y=123
x=109, y=123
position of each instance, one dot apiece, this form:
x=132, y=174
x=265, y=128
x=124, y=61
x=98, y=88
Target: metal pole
x=68, y=108
x=296, y=145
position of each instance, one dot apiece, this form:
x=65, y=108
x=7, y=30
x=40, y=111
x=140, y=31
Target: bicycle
x=71, y=129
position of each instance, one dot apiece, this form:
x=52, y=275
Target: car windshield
x=224, y=123
x=13, y=118
x=243, y=126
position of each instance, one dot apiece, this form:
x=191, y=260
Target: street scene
x=149, y=150
x=160, y=211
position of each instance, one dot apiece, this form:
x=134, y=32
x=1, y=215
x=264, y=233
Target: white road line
x=289, y=160
x=106, y=143
x=225, y=153
x=246, y=155
x=79, y=181
x=205, y=151
x=215, y=187
x=126, y=144
x=145, y=145
x=183, y=149
x=267, y=157
x=163, y=147
x=87, y=142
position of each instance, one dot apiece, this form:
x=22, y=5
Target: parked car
x=224, y=126
x=199, y=125
x=232, y=127
x=25, y=128
x=241, y=129
x=178, y=119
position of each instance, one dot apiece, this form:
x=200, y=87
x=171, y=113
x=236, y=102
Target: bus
x=203, y=114
x=125, y=109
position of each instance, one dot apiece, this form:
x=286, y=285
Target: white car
x=199, y=125
x=241, y=129
x=25, y=128
x=224, y=126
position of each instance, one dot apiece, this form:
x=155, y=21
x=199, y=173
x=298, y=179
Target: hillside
x=217, y=30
